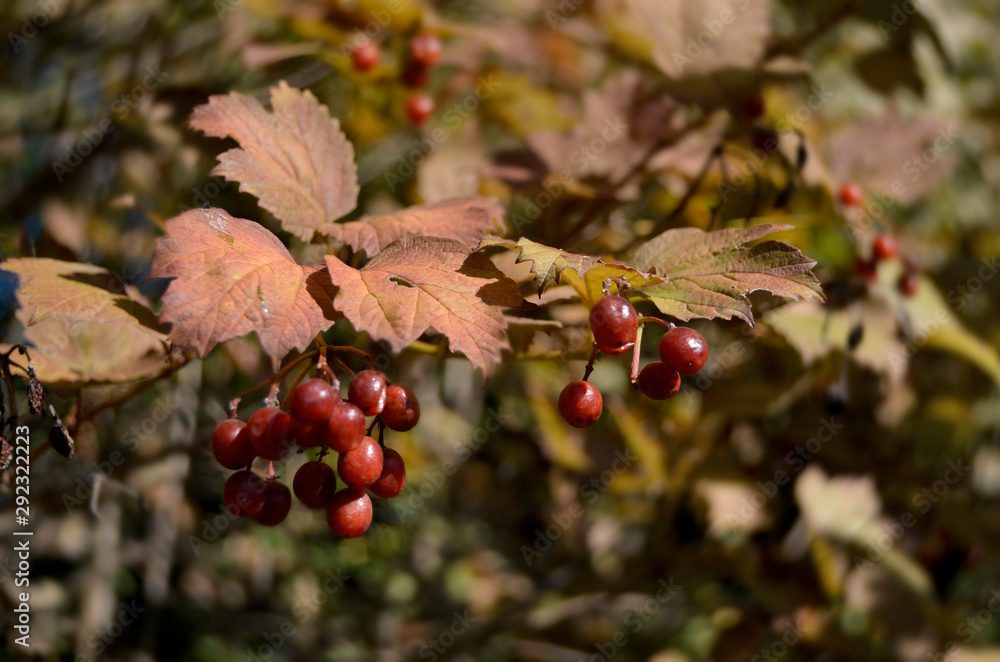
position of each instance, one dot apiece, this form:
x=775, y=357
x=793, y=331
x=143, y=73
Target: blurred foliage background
x=796, y=500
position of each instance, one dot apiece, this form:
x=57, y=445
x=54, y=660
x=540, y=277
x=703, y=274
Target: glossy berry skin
x=277, y=503
x=393, y=477
x=270, y=431
x=684, y=350
x=349, y=513
x=362, y=466
x=401, y=411
x=425, y=48
x=231, y=445
x=614, y=323
x=580, y=404
x=851, y=194
x=315, y=484
x=345, y=429
x=243, y=493
x=312, y=402
x=908, y=284
x=658, y=381
x=885, y=247
x=367, y=391
x=419, y=108
x=365, y=56
x=308, y=436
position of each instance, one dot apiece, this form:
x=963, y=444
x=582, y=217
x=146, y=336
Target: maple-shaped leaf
x=547, y=263
x=710, y=274
x=591, y=286
x=465, y=221
x=421, y=284
x=73, y=312
x=295, y=159
x=231, y=277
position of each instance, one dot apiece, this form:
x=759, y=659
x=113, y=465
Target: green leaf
x=709, y=274
x=547, y=263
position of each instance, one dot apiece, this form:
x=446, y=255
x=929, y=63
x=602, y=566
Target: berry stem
x=270, y=470
x=637, y=352
x=371, y=427
x=590, y=363
x=323, y=367
x=655, y=320
x=343, y=366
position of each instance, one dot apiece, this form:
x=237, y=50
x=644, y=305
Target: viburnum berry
x=270, y=431
x=362, y=466
x=231, y=444
x=367, y=391
x=866, y=269
x=365, y=56
x=658, y=381
x=684, y=350
x=308, y=436
x=614, y=323
x=851, y=194
x=580, y=404
x=349, y=513
x=314, y=484
x=312, y=402
x=425, y=48
x=402, y=410
x=243, y=493
x=884, y=247
x=277, y=503
x=419, y=108
x=908, y=283
x=393, y=477
x=346, y=427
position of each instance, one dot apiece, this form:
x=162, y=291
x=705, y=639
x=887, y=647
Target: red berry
x=419, y=108
x=753, y=105
x=426, y=49
x=580, y=404
x=243, y=493
x=415, y=76
x=365, y=56
x=231, y=445
x=866, y=269
x=277, y=503
x=308, y=436
x=346, y=427
x=270, y=431
x=614, y=323
x=885, y=247
x=393, y=477
x=367, y=391
x=349, y=513
x=851, y=194
x=684, y=350
x=401, y=411
x=908, y=283
x=312, y=402
x=315, y=484
x=362, y=466
x=659, y=381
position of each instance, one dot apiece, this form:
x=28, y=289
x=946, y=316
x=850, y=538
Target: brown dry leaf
x=72, y=313
x=295, y=159
x=465, y=221
x=420, y=284
x=232, y=277
x=710, y=274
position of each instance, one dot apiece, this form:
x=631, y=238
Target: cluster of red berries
x=425, y=51
x=615, y=326
x=318, y=417
x=884, y=247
